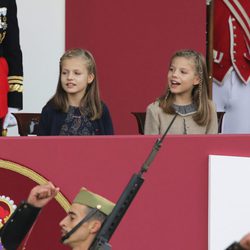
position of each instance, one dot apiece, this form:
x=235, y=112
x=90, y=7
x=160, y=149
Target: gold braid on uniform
x=15, y=83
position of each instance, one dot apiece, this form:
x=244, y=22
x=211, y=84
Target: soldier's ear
x=95, y=226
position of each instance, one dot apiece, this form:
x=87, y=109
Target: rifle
x=101, y=241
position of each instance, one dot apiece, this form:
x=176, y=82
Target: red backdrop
x=132, y=42
x=171, y=209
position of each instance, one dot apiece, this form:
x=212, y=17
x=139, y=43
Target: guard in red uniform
x=231, y=67
x=11, y=68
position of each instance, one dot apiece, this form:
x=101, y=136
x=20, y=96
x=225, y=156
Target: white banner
x=229, y=200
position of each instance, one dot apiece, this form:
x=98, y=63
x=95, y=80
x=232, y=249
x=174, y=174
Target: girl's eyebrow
x=182, y=68
x=65, y=69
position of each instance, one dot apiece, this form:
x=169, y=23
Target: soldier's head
x=84, y=219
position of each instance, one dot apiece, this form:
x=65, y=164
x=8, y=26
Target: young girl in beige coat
x=186, y=95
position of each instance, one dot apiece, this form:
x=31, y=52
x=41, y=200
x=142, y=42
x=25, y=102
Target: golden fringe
x=35, y=177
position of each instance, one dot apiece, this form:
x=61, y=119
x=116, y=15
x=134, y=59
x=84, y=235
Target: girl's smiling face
x=182, y=76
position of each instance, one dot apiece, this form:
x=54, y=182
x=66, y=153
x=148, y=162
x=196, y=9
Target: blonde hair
x=91, y=99
x=199, y=93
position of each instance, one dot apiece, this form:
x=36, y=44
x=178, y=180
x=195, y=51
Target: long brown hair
x=91, y=98
x=199, y=93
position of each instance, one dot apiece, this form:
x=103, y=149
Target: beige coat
x=157, y=122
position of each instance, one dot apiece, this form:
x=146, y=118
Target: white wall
x=42, y=37
x=229, y=203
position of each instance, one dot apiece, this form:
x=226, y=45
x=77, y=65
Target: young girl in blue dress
x=76, y=107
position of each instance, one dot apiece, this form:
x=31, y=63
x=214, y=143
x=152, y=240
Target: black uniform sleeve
x=235, y=246
x=18, y=225
x=13, y=54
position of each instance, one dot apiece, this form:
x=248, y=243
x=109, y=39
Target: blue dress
x=55, y=122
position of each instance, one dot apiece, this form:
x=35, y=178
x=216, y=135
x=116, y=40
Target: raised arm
x=20, y=222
